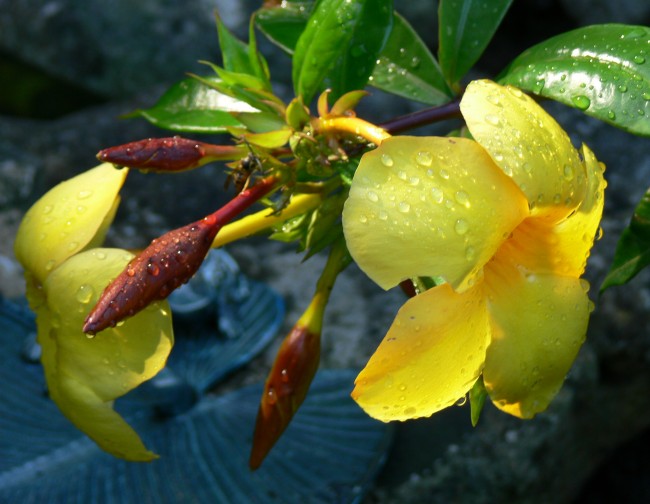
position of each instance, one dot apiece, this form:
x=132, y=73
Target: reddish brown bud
x=285, y=389
x=167, y=263
x=170, y=154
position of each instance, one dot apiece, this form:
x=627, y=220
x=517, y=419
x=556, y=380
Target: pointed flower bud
x=172, y=154
x=167, y=263
x=295, y=364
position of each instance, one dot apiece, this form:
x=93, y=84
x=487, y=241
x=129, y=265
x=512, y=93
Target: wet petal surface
x=87, y=374
x=528, y=145
x=431, y=356
x=538, y=325
x=428, y=206
x=68, y=218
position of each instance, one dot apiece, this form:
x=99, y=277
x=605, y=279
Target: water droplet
x=271, y=396
x=599, y=233
x=372, y=196
x=611, y=115
x=581, y=102
x=386, y=160
x=403, y=207
x=363, y=219
x=622, y=88
x=461, y=227
x=100, y=255
x=424, y=158
x=492, y=119
x=494, y=100
x=584, y=284
x=410, y=411
x=415, y=62
x=414, y=180
x=639, y=59
x=84, y=293
x=437, y=195
x=383, y=215
x=130, y=272
x=470, y=253
x=47, y=209
x=284, y=376
x=568, y=172
x=444, y=174
x=49, y=265
x=153, y=269
x=462, y=198
x=72, y=245
x=401, y=175
x=84, y=194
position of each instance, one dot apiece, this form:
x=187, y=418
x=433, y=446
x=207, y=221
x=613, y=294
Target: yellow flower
x=504, y=224
x=65, y=275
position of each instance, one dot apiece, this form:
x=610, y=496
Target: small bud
x=172, y=154
x=167, y=263
x=285, y=389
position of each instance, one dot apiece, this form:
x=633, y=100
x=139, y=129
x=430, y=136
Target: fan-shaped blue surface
x=329, y=453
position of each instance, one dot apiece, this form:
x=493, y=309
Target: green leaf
x=407, y=68
x=342, y=37
x=466, y=28
x=190, y=106
x=284, y=23
x=633, y=249
x=240, y=58
x=603, y=70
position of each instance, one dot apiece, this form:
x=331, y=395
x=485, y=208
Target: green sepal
x=477, y=397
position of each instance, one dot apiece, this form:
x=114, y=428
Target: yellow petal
x=431, y=356
x=428, y=206
x=67, y=218
x=541, y=246
x=88, y=374
x=527, y=144
x=538, y=325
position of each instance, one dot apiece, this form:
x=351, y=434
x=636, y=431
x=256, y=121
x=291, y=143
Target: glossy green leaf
x=284, y=23
x=241, y=58
x=603, y=70
x=407, y=68
x=633, y=249
x=191, y=106
x=466, y=28
x=341, y=41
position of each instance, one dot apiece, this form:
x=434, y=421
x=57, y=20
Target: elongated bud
x=171, y=154
x=285, y=389
x=167, y=263
x=295, y=364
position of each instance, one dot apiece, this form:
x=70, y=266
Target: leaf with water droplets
x=633, y=250
x=465, y=29
x=407, y=68
x=603, y=70
x=341, y=41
